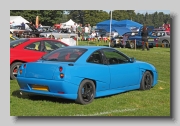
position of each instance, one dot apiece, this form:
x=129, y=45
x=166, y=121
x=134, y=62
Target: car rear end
x=47, y=78
x=52, y=74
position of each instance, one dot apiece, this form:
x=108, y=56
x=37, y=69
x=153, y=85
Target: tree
x=46, y=17
x=88, y=16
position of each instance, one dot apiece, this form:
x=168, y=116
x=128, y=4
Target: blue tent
x=116, y=25
x=122, y=30
x=127, y=23
x=106, y=25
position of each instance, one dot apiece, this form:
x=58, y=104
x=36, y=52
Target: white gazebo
x=18, y=20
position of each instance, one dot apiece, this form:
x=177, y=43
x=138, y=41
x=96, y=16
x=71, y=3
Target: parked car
x=134, y=37
x=100, y=33
x=113, y=34
x=163, y=38
x=82, y=73
x=58, y=34
x=17, y=30
x=28, y=50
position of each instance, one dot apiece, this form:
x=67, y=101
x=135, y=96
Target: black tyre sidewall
x=132, y=43
x=11, y=69
x=79, y=97
x=142, y=85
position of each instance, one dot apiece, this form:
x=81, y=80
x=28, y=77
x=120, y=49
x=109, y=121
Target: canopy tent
x=106, y=25
x=69, y=23
x=106, y=22
x=121, y=30
x=18, y=20
x=115, y=24
x=127, y=23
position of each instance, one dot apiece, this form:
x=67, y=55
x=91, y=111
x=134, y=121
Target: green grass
x=154, y=102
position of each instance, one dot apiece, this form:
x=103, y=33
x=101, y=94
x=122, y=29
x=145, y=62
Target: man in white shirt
x=86, y=32
x=74, y=28
x=93, y=35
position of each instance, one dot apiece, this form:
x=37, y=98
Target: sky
x=152, y=11
x=149, y=11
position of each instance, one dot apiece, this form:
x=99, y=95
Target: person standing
x=79, y=30
x=89, y=26
x=86, y=32
x=74, y=28
x=144, y=35
x=23, y=26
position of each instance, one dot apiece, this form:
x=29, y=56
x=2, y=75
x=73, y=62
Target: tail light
x=61, y=75
x=60, y=69
x=24, y=66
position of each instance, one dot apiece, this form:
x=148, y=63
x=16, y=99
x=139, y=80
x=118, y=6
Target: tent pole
x=110, y=29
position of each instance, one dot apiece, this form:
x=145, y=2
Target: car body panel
x=108, y=78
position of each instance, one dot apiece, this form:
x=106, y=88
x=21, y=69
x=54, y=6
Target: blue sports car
x=82, y=73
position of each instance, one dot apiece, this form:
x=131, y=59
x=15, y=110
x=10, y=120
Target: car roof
x=92, y=48
x=41, y=39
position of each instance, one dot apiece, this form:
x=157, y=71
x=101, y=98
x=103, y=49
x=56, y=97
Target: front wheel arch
x=147, y=80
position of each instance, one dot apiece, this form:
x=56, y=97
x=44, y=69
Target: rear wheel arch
x=165, y=40
x=90, y=80
x=86, y=92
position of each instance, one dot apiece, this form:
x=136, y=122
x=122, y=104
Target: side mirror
x=132, y=60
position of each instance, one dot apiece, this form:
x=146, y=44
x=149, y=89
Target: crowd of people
x=84, y=32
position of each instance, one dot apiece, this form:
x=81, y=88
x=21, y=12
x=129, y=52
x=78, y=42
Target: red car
x=29, y=50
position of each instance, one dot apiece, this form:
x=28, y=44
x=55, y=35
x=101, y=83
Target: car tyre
x=86, y=92
x=112, y=44
x=132, y=45
x=166, y=43
x=146, y=82
x=14, y=69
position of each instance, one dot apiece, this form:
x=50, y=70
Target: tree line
x=51, y=17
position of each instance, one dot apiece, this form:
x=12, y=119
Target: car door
x=99, y=71
x=32, y=52
x=123, y=73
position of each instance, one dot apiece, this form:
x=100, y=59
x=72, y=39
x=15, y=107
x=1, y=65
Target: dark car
x=100, y=32
x=135, y=39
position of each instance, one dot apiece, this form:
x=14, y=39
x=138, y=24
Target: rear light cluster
x=61, y=74
x=24, y=66
x=156, y=39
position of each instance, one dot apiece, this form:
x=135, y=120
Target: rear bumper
x=61, y=89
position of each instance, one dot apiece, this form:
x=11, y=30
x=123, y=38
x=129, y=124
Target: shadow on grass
x=33, y=97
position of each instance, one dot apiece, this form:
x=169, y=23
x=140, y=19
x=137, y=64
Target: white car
x=113, y=34
x=57, y=35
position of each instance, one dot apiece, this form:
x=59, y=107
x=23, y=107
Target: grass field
x=155, y=102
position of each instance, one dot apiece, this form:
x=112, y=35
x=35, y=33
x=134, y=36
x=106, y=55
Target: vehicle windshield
x=17, y=42
x=64, y=54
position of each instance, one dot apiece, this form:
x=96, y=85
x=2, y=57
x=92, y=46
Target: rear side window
x=65, y=54
x=95, y=58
